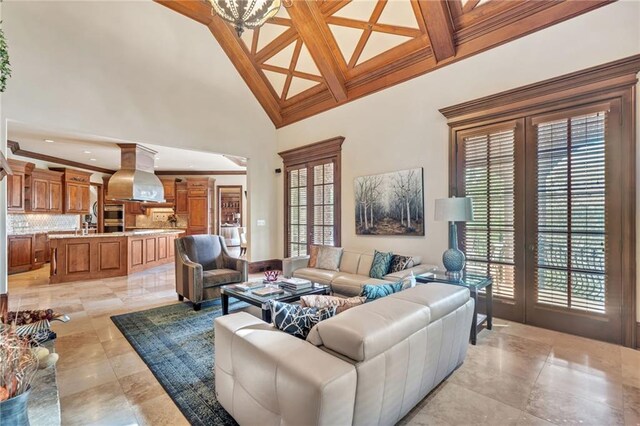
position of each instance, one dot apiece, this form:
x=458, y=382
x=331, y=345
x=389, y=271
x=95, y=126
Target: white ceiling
x=103, y=152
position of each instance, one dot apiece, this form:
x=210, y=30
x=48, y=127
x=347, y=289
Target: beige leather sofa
x=368, y=365
x=352, y=274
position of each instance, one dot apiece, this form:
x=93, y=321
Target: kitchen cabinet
x=20, y=252
x=182, y=195
x=16, y=185
x=169, y=186
x=40, y=249
x=199, y=202
x=134, y=207
x=76, y=192
x=45, y=192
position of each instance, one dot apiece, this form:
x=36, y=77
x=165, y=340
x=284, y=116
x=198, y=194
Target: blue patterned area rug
x=177, y=344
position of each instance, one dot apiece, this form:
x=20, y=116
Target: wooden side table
x=474, y=283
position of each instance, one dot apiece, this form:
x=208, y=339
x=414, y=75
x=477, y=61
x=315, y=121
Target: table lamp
x=453, y=210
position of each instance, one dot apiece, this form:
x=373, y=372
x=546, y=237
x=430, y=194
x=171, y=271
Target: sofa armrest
x=263, y=373
x=291, y=264
x=240, y=265
x=188, y=278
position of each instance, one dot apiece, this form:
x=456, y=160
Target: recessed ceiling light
x=191, y=167
x=87, y=152
x=48, y=141
x=92, y=159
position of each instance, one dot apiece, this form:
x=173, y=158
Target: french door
x=547, y=205
x=313, y=205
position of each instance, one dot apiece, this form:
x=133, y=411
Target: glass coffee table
x=262, y=302
x=474, y=283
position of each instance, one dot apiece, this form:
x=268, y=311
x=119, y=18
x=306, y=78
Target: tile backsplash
x=157, y=218
x=33, y=223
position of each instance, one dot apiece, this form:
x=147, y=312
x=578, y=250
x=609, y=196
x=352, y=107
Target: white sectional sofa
x=352, y=274
x=369, y=365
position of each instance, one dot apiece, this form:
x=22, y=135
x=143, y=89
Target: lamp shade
x=454, y=209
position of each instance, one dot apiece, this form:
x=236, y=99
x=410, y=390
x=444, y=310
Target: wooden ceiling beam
x=309, y=21
x=295, y=73
x=279, y=43
x=439, y=24
x=383, y=28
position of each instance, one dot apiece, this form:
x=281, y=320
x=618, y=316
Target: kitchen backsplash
x=157, y=218
x=33, y=223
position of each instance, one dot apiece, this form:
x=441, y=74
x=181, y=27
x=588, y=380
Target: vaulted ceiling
x=317, y=54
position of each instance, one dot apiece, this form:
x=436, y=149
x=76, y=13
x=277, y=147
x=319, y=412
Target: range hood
x=136, y=181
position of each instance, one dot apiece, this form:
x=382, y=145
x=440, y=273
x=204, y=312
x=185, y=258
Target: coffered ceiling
x=317, y=54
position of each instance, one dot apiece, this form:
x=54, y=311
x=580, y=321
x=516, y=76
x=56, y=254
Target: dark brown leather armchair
x=203, y=264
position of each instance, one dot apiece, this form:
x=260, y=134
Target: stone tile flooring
x=517, y=374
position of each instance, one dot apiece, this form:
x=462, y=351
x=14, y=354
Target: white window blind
x=297, y=232
x=323, y=204
x=571, y=238
x=488, y=241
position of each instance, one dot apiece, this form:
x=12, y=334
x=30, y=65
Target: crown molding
x=16, y=150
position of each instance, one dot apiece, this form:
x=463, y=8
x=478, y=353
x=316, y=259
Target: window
x=312, y=196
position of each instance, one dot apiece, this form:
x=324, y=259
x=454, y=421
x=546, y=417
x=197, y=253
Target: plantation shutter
x=324, y=204
x=489, y=179
x=297, y=207
x=571, y=214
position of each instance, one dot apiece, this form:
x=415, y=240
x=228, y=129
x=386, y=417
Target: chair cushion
x=205, y=250
x=329, y=258
x=315, y=275
x=215, y=277
x=380, y=265
x=297, y=320
x=351, y=284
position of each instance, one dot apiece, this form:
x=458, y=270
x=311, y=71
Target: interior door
x=574, y=222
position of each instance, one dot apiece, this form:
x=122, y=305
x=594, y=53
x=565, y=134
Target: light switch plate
x=262, y=222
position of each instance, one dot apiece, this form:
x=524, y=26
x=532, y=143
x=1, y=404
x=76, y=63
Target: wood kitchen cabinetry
x=199, y=205
x=21, y=255
x=77, y=197
x=182, y=195
x=45, y=192
x=16, y=185
x=169, y=185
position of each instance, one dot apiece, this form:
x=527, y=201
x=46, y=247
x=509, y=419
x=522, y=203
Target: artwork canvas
x=390, y=203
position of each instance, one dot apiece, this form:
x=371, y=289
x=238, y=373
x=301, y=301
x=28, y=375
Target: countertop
x=118, y=234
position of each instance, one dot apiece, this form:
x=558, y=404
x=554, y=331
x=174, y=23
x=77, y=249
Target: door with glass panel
x=313, y=206
x=488, y=172
x=573, y=221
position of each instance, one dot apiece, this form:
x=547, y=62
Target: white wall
x=138, y=71
x=401, y=127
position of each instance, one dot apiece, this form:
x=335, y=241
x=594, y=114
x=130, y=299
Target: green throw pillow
x=373, y=292
x=380, y=265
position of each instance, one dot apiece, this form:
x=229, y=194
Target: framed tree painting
x=390, y=203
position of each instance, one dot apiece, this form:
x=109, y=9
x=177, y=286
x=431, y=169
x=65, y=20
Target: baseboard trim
x=4, y=304
x=265, y=265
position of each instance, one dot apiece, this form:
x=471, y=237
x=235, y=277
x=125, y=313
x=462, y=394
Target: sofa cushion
x=315, y=275
x=216, y=277
x=441, y=299
x=297, y=320
x=365, y=264
x=373, y=292
x=329, y=258
x=321, y=301
x=380, y=265
x=400, y=263
x=365, y=331
x=313, y=256
x=349, y=262
x=351, y=284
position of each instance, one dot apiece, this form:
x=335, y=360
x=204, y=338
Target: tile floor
x=516, y=374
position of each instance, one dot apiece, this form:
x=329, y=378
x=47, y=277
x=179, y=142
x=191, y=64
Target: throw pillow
x=373, y=291
x=400, y=263
x=341, y=304
x=296, y=320
x=313, y=256
x=380, y=265
x=329, y=258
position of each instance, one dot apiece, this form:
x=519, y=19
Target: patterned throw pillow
x=380, y=265
x=313, y=256
x=373, y=292
x=296, y=320
x=329, y=258
x=342, y=304
x=400, y=263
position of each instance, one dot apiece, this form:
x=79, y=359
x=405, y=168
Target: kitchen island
x=116, y=254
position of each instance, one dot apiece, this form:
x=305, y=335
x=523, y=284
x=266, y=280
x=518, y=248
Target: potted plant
x=18, y=365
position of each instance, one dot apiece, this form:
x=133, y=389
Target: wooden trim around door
x=218, y=206
x=600, y=84
x=4, y=304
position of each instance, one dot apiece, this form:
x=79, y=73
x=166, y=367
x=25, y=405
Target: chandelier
x=246, y=13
